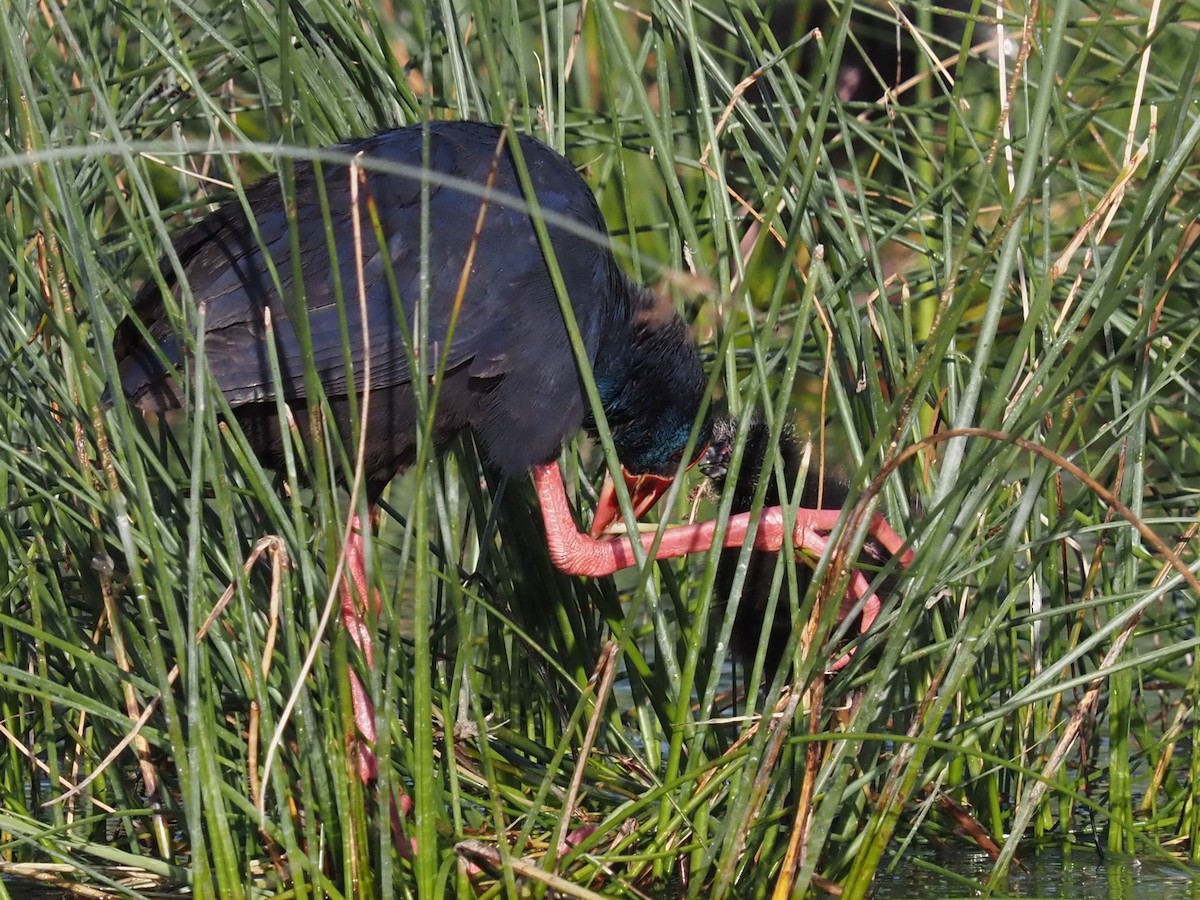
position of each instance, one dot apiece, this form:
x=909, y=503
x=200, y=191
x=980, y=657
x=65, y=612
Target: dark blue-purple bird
x=496, y=337
x=509, y=373
x=496, y=333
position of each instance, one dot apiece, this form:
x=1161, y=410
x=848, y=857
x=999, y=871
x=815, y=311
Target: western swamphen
x=434, y=217
x=494, y=325
x=496, y=338
x=826, y=491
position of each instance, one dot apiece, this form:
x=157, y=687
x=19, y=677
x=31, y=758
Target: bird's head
x=644, y=491
x=652, y=390
x=651, y=445
x=716, y=461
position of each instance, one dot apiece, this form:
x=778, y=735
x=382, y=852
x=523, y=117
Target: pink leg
x=354, y=590
x=581, y=554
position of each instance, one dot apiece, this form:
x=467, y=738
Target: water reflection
x=1074, y=873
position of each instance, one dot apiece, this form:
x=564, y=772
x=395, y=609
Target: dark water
x=1075, y=874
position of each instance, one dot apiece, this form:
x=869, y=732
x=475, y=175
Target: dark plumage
x=510, y=375
x=749, y=628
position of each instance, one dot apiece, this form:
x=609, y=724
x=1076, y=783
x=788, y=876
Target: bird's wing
x=232, y=270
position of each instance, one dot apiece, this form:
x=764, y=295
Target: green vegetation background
x=1005, y=242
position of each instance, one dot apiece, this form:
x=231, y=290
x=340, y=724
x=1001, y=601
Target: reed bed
x=974, y=282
